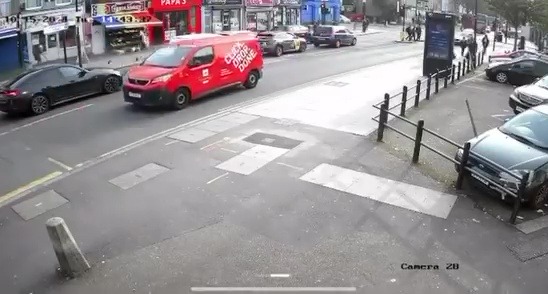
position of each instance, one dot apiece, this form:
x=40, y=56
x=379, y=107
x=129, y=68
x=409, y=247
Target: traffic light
x=324, y=9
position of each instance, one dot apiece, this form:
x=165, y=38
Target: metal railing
x=462, y=165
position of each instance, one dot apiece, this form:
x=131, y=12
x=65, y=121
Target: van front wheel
x=180, y=99
x=252, y=80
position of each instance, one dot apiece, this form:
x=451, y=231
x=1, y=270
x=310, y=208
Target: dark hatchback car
x=528, y=96
x=278, y=43
x=521, y=71
x=335, y=36
x=36, y=90
x=521, y=147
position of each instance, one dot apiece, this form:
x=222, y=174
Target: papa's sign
x=172, y=2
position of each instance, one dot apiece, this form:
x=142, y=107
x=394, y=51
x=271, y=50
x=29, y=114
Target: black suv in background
x=335, y=36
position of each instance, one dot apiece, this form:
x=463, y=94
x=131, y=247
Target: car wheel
x=112, y=84
x=252, y=80
x=540, y=197
x=354, y=41
x=316, y=44
x=181, y=99
x=39, y=104
x=302, y=48
x=337, y=44
x=279, y=51
x=501, y=77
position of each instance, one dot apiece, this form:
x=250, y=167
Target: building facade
x=50, y=29
x=179, y=17
x=311, y=11
x=223, y=15
x=11, y=57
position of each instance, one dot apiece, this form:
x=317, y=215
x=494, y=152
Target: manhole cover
x=336, y=84
x=272, y=140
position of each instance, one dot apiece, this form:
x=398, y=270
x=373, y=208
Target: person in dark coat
x=463, y=46
x=485, y=43
x=418, y=30
x=409, y=32
x=365, y=24
x=473, y=50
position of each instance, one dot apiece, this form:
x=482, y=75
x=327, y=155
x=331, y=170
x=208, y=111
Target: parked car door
x=341, y=35
x=522, y=73
x=202, y=73
x=287, y=41
x=51, y=83
x=350, y=36
x=79, y=83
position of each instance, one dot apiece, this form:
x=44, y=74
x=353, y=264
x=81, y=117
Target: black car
x=517, y=72
x=334, y=36
x=36, y=90
x=521, y=147
x=278, y=43
x=527, y=96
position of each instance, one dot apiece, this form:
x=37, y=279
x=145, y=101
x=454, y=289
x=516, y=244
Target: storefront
x=259, y=15
x=288, y=12
x=123, y=27
x=223, y=15
x=179, y=17
x=9, y=59
x=47, y=41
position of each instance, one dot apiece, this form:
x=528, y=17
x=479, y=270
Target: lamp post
x=475, y=19
x=77, y=28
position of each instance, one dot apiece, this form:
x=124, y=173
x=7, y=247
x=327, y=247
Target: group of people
x=413, y=33
x=472, y=46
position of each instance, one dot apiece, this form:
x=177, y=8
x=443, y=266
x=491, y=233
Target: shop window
x=203, y=56
x=5, y=7
x=192, y=26
x=33, y=4
x=52, y=40
x=176, y=20
x=70, y=36
x=258, y=21
x=62, y=2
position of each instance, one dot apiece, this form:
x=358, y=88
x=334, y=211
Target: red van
x=192, y=68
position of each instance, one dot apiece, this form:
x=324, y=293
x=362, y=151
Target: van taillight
x=12, y=93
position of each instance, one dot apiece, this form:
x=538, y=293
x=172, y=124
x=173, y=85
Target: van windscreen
x=168, y=57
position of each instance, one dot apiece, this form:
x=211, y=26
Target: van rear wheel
x=252, y=80
x=181, y=99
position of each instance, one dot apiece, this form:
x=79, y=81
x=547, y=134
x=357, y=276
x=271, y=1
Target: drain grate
x=336, y=84
x=272, y=140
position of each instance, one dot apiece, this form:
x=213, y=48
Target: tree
x=515, y=12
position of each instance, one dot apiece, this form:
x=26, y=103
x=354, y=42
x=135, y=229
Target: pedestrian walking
x=473, y=49
x=485, y=43
x=419, y=32
x=365, y=24
x=409, y=32
x=463, y=46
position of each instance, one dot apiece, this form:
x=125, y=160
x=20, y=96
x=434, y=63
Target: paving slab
x=39, y=204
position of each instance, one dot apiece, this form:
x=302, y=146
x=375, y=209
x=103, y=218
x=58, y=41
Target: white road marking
x=387, y=191
x=217, y=178
x=280, y=275
x=172, y=142
x=60, y=164
x=229, y=150
x=274, y=289
x=289, y=165
x=38, y=204
x=44, y=119
x=252, y=159
x=215, y=143
x=477, y=88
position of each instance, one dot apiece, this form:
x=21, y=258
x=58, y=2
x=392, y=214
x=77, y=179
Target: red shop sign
x=259, y=2
x=174, y=4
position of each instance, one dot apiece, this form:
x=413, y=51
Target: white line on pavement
x=217, y=178
x=45, y=119
x=172, y=142
x=57, y=162
x=274, y=289
x=280, y=275
x=289, y=165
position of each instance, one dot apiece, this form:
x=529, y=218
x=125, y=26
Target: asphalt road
x=32, y=148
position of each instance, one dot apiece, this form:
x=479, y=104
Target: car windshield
x=543, y=83
x=168, y=57
x=529, y=127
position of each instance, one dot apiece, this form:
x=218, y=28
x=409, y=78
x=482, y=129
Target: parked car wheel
x=540, y=197
x=181, y=99
x=354, y=41
x=112, y=84
x=302, y=48
x=337, y=44
x=39, y=104
x=252, y=80
x=501, y=77
x=316, y=44
x=279, y=51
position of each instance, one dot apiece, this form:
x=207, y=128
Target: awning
x=130, y=19
x=8, y=33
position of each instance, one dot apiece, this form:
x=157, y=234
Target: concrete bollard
x=71, y=260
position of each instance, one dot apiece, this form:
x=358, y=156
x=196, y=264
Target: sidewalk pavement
x=260, y=191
